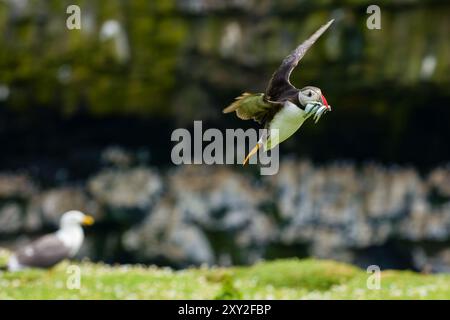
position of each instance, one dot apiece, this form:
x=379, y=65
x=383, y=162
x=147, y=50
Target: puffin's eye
x=309, y=94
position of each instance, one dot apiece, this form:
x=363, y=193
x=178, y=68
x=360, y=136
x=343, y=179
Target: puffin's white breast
x=287, y=121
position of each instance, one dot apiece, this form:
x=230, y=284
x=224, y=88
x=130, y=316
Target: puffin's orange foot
x=251, y=153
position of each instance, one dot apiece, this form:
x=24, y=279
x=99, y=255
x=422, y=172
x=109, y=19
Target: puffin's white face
x=312, y=94
x=73, y=218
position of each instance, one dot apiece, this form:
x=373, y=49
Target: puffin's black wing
x=45, y=252
x=279, y=88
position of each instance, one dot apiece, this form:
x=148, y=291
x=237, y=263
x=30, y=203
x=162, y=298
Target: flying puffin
x=282, y=107
x=52, y=248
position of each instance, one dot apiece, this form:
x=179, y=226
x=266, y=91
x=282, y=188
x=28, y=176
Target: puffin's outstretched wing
x=279, y=87
x=253, y=106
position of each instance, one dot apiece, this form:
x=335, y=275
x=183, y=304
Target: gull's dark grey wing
x=45, y=252
x=279, y=87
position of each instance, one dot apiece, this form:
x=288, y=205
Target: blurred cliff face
x=184, y=60
x=389, y=216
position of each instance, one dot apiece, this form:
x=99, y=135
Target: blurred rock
x=253, y=240
x=223, y=202
x=212, y=196
x=53, y=203
x=15, y=186
x=438, y=261
x=128, y=191
x=339, y=207
x=10, y=218
x=164, y=235
x=117, y=157
x=439, y=179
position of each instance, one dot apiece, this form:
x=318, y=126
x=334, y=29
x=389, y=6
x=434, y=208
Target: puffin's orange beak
x=324, y=101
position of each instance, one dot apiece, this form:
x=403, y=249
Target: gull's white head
x=75, y=218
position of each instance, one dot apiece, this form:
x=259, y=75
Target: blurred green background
x=139, y=69
x=179, y=61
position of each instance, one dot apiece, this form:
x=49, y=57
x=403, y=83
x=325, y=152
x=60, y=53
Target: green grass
x=280, y=279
